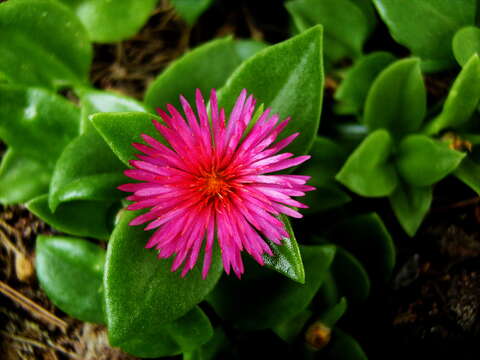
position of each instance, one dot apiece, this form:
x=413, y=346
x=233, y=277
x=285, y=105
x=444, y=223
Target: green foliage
x=345, y=347
x=190, y=10
x=466, y=43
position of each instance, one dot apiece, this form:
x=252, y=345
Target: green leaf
x=211, y=350
x=422, y=161
x=22, y=178
x=120, y=130
x=332, y=315
x=148, y=294
x=345, y=347
x=247, y=48
x=466, y=43
x=79, y=218
x=366, y=237
x=469, y=173
x=167, y=339
x=353, y=90
x=369, y=12
x=112, y=21
x=410, y=205
x=291, y=328
x=427, y=27
x=36, y=122
x=265, y=299
x=369, y=170
x=345, y=25
x=43, y=44
x=288, y=78
x=205, y=68
x=286, y=258
x=397, y=99
x=462, y=99
x=70, y=271
x=190, y=10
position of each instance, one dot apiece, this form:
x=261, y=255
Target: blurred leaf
x=466, y=43
x=353, y=90
x=22, y=178
x=426, y=26
x=345, y=347
x=345, y=25
x=332, y=315
x=288, y=78
x=247, y=48
x=422, y=161
x=143, y=300
x=469, y=173
x=369, y=12
x=397, y=99
x=369, y=170
x=43, y=44
x=112, y=21
x=265, y=299
x=190, y=10
x=210, y=350
x=291, y=328
x=70, y=271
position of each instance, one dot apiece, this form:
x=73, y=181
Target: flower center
x=214, y=185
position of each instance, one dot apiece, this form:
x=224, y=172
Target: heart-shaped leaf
x=142, y=293
x=190, y=10
x=31, y=55
x=288, y=78
x=427, y=27
x=22, y=178
x=466, y=43
x=410, y=205
x=286, y=258
x=111, y=21
x=70, y=271
x=79, y=218
x=397, y=99
x=422, y=161
x=369, y=170
x=264, y=299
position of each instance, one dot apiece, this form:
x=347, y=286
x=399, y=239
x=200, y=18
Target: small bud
x=318, y=335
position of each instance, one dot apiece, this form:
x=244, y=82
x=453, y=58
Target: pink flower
x=210, y=182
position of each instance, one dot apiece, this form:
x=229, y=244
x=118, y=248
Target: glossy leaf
x=167, y=339
x=462, y=99
x=466, y=43
x=427, y=27
x=265, y=299
x=190, y=10
x=397, y=99
x=120, y=130
x=410, y=205
x=288, y=78
x=36, y=122
x=149, y=295
x=286, y=258
x=112, y=21
x=22, y=178
x=345, y=347
x=469, y=173
x=70, y=271
x=206, y=67
x=353, y=90
x=369, y=170
x=31, y=55
x=79, y=218
x=422, y=161
x=332, y=315
x=344, y=23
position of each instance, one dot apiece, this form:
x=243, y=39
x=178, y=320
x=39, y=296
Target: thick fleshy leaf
x=397, y=99
x=369, y=171
x=288, y=78
x=422, y=161
x=462, y=99
x=211, y=350
x=70, y=270
x=120, y=130
x=190, y=10
x=469, y=173
x=206, y=67
x=36, y=122
x=345, y=347
x=290, y=329
x=410, y=205
x=369, y=12
x=353, y=90
x=344, y=23
x=79, y=218
x=466, y=43
x=31, y=55
x=264, y=299
x=286, y=258
x=366, y=237
x=167, y=339
x=149, y=294
x=111, y=21
x=333, y=314
x=427, y=27
x=249, y=47
x=22, y=178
